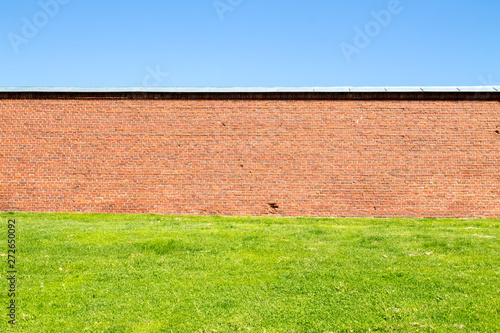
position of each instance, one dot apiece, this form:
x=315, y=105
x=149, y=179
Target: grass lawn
x=152, y=273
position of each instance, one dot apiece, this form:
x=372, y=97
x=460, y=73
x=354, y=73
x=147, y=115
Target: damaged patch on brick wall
x=273, y=207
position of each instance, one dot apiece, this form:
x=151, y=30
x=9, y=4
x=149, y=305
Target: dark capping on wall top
x=366, y=95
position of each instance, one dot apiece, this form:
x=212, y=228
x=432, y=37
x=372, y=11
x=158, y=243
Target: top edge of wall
x=481, y=93
x=474, y=89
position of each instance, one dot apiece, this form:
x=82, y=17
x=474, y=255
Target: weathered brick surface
x=244, y=156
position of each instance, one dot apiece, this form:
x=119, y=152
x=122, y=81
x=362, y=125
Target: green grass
x=151, y=273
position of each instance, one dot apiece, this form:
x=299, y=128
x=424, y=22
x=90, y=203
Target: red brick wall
x=243, y=156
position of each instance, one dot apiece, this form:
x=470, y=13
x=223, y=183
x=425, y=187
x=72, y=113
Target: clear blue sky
x=223, y=43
